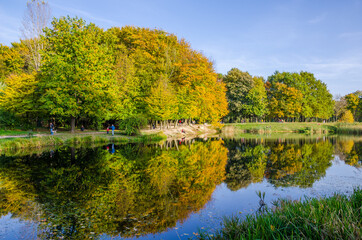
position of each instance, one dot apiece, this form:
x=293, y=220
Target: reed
x=36, y=142
x=307, y=128
x=336, y=217
x=349, y=128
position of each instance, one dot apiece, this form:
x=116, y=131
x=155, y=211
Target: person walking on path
x=113, y=128
x=51, y=128
x=108, y=129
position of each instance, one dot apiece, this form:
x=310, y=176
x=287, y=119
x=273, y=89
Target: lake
x=167, y=190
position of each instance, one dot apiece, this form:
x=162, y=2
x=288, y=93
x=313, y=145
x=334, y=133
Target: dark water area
x=168, y=190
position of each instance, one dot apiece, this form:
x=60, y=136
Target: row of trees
x=76, y=72
x=288, y=96
x=91, y=75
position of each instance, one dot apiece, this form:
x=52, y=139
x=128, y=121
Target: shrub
x=347, y=116
x=133, y=124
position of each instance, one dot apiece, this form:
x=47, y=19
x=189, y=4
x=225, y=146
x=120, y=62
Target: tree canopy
x=85, y=73
x=76, y=75
x=88, y=73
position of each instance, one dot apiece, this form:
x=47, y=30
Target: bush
x=347, y=117
x=7, y=120
x=133, y=124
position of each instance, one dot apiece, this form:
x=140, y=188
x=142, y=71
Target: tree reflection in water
x=87, y=192
x=285, y=163
x=137, y=189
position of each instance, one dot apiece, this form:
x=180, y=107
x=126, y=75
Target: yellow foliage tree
x=19, y=94
x=162, y=103
x=347, y=117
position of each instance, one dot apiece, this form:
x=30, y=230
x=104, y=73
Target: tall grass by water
x=71, y=140
x=294, y=127
x=349, y=128
x=35, y=142
x=336, y=217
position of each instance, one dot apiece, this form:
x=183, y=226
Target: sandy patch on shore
x=185, y=131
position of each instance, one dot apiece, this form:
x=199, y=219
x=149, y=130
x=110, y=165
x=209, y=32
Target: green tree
x=77, y=77
x=317, y=102
x=238, y=84
x=257, y=99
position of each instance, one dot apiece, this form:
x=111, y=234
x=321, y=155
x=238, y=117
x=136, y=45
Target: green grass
x=73, y=139
x=294, y=127
x=35, y=142
x=283, y=127
x=15, y=132
x=348, y=128
x=336, y=217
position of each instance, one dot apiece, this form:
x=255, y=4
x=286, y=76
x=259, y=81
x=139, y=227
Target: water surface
x=164, y=191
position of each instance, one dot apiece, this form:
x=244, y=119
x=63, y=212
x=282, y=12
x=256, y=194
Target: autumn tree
x=284, y=102
x=352, y=102
x=14, y=60
x=153, y=55
x=347, y=117
x=162, y=103
x=316, y=102
x=349, y=107
x=77, y=77
x=19, y=96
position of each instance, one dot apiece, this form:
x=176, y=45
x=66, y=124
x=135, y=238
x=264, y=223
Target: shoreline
x=44, y=139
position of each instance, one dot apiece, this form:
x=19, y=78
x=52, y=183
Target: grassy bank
x=72, y=139
x=17, y=132
x=336, y=217
x=296, y=127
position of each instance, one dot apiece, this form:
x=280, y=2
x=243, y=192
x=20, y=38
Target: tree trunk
x=72, y=124
x=72, y=154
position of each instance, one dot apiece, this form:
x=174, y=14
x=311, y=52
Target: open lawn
x=295, y=127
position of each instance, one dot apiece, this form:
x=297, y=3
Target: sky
x=323, y=37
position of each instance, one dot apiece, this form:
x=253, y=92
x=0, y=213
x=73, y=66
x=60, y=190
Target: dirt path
x=184, y=131
x=55, y=134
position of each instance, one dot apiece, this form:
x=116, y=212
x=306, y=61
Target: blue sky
x=260, y=37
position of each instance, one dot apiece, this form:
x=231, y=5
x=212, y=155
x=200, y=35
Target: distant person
x=113, y=128
x=82, y=128
x=108, y=129
x=51, y=126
